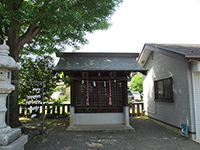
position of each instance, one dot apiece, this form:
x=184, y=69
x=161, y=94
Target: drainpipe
x=195, y=107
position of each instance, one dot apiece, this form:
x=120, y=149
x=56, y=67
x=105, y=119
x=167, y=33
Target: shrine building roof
x=98, y=62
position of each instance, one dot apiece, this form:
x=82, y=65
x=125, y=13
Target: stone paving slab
x=100, y=128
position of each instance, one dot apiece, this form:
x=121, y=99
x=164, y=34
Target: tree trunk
x=16, y=43
x=13, y=43
x=14, y=110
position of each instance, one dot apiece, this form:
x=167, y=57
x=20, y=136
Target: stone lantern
x=9, y=138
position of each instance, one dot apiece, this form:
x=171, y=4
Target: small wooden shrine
x=98, y=86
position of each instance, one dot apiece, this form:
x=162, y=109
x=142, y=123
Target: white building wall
x=159, y=67
x=99, y=118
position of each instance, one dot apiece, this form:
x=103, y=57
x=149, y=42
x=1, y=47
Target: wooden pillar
x=125, y=95
x=72, y=91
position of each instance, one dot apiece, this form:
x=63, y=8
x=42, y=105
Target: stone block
x=17, y=144
x=8, y=137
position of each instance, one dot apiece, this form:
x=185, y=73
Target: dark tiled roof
x=98, y=62
x=184, y=49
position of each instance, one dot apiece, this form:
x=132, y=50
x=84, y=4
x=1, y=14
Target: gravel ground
x=147, y=136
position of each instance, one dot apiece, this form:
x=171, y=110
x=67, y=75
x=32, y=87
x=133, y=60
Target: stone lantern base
x=11, y=139
x=18, y=144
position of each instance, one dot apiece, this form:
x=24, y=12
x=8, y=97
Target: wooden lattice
x=98, y=93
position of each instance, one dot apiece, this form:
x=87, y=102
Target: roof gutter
x=193, y=56
x=87, y=54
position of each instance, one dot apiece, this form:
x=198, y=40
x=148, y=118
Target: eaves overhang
x=167, y=50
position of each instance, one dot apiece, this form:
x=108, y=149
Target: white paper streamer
x=33, y=115
x=33, y=108
x=34, y=96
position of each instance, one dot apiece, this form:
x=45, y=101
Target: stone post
x=126, y=115
x=9, y=138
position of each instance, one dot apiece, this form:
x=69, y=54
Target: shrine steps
x=101, y=128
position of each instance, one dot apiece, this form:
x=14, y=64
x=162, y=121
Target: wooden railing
x=135, y=109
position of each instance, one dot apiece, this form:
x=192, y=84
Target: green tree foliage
x=58, y=89
x=136, y=83
x=65, y=79
x=45, y=26
x=38, y=69
x=42, y=26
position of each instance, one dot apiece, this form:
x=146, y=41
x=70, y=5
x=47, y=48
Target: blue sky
x=147, y=21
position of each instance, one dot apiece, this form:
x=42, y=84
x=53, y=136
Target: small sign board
x=184, y=129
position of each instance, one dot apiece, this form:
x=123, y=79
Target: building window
x=163, y=90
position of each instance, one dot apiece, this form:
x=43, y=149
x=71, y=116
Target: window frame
x=163, y=97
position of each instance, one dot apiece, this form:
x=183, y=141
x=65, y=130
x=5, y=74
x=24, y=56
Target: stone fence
x=135, y=109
